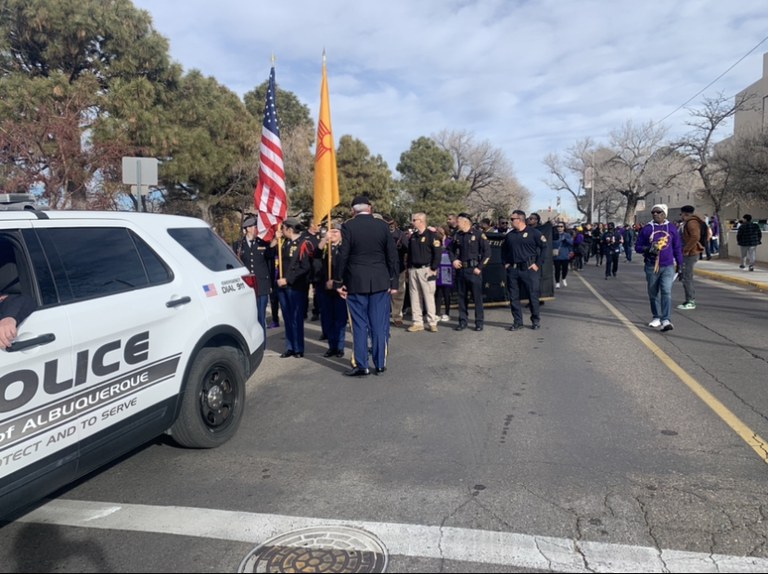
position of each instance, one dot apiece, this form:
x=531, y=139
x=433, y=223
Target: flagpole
x=330, y=252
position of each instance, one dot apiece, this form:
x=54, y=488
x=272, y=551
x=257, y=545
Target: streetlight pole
x=589, y=183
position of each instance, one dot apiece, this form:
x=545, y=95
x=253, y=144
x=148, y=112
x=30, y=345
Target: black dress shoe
x=460, y=328
x=479, y=328
x=287, y=354
x=380, y=371
x=357, y=373
x=515, y=327
x=329, y=353
x=535, y=326
x=340, y=353
x=298, y=355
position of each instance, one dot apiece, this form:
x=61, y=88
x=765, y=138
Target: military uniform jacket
x=424, y=249
x=524, y=247
x=471, y=248
x=259, y=259
x=298, y=255
x=331, y=251
x=368, y=256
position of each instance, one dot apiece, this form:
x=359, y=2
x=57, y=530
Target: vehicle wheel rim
x=218, y=397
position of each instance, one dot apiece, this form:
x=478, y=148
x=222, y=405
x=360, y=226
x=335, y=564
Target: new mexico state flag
x=326, y=176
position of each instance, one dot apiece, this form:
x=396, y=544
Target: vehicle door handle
x=176, y=302
x=27, y=343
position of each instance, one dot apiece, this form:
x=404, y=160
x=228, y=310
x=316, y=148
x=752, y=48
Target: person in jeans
x=562, y=247
x=692, y=250
x=659, y=244
x=748, y=237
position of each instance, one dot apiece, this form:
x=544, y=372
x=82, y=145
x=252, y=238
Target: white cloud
x=531, y=76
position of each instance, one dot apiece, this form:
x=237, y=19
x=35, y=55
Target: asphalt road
x=594, y=443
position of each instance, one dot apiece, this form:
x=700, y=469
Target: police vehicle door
x=29, y=429
x=127, y=334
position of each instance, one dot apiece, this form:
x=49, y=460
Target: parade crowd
x=366, y=272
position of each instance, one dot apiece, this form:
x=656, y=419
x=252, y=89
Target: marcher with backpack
x=748, y=236
x=695, y=237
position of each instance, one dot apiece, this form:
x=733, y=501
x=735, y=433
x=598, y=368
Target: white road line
x=482, y=546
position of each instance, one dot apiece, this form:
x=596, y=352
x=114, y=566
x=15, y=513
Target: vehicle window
x=48, y=292
x=10, y=282
x=157, y=271
x=93, y=261
x=207, y=247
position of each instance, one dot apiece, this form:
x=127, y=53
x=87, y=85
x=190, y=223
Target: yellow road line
x=749, y=436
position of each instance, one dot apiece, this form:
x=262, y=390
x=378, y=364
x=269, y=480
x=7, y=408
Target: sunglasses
x=656, y=212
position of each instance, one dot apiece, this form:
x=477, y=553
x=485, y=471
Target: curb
x=729, y=279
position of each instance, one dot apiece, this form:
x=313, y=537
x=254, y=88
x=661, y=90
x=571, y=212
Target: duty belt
x=469, y=263
x=521, y=266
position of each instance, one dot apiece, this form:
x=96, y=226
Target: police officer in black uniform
x=258, y=256
x=523, y=255
x=470, y=253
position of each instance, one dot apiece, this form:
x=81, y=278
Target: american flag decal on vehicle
x=210, y=290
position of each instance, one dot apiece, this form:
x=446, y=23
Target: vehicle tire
x=214, y=400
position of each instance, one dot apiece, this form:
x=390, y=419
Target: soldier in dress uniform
x=523, y=255
x=366, y=276
x=258, y=256
x=333, y=308
x=470, y=253
x=293, y=284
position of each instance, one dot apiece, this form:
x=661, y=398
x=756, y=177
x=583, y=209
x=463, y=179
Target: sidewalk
x=728, y=270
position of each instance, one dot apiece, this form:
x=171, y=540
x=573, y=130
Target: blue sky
x=531, y=76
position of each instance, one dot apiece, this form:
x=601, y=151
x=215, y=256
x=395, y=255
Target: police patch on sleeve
x=436, y=243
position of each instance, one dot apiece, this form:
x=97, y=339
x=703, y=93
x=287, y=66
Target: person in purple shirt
x=661, y=248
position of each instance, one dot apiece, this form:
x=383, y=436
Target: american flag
x=210, y=290
x=269, y=198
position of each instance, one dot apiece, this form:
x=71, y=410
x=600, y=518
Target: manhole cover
x=319, y=549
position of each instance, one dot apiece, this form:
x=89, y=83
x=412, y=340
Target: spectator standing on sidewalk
x=659, y=243
x=692, y=250
x=748, y=237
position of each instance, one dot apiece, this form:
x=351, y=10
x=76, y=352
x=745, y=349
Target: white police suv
x=145, y=324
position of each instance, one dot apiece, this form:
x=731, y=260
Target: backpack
x=705, y=233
